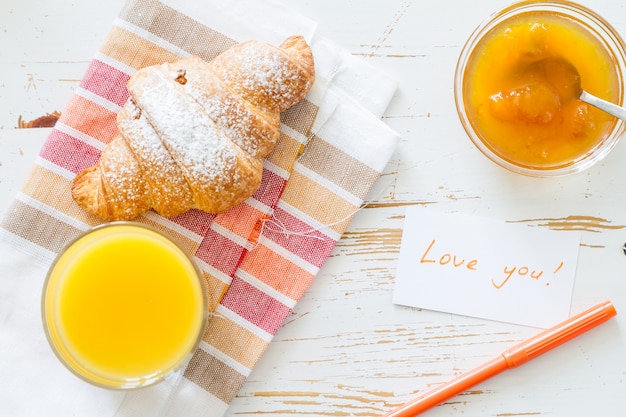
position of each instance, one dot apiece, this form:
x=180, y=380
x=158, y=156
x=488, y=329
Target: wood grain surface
x=346, y=350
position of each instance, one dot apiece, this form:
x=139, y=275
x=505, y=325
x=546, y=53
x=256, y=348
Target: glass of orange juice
x=123, y=306
x=520, y=113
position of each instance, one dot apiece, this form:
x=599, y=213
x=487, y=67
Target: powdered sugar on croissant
x=192, y=135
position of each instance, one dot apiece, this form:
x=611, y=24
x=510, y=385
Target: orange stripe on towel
x=91, y=119
x=276, y=271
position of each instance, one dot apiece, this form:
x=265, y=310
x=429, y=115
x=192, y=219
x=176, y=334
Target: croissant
x=193, y=134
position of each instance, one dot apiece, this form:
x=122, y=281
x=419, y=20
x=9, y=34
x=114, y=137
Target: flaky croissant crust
x=193, y=133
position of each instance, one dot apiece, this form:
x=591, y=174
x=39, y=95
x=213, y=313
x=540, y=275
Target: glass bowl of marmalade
x=519, y=117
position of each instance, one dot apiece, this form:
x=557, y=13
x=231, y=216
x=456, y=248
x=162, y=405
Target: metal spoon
x=556, y=70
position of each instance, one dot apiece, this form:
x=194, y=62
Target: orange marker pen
x=510, y=358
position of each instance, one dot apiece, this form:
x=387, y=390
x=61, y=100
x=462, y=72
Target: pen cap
x=559, y=334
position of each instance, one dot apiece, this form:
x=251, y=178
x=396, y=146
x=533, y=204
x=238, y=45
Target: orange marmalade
x=525, y=117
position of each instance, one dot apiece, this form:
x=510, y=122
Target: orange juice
x=519, y=113
x=123, y=306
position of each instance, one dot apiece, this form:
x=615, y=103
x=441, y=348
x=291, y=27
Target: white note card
x=486, y=268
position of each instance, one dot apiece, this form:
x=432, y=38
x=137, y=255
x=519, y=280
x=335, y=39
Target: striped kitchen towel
x=258, y=258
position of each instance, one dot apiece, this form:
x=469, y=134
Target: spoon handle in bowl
x=610, y=108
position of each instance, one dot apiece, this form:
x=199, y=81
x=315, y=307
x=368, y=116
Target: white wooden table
x=346, y=349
